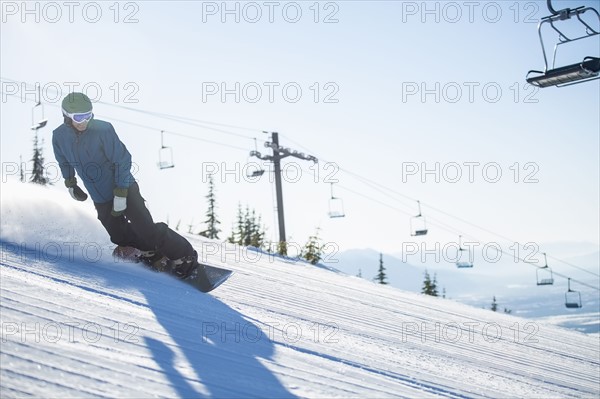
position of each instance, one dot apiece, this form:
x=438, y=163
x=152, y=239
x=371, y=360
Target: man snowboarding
x=91, y=148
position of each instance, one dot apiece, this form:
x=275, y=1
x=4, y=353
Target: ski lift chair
x=256, y=172
x=35, y=122
x=461, y=264
x=418, y=227
x=572, y=298
x=336, y=206
x=587, y=69
x=165, y=155
x=543, y=274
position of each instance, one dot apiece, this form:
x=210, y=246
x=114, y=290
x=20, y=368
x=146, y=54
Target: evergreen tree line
x=494, y=306
x=249, y=231
x=429, y=287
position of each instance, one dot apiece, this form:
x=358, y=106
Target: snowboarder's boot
x=154, y=260
x=125, y=254
x=188, y=268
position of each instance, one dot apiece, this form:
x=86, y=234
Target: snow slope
x=513, y=285
x=76, y=323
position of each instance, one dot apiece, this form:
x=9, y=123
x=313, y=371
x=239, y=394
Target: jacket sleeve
x=120, y=158
x=67, y=170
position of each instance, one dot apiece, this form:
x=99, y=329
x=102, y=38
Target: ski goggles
x=80, y=117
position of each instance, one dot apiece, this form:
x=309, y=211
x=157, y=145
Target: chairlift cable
x=185, y=120
x=171, y=132
x=380, y=187
x=504, y=252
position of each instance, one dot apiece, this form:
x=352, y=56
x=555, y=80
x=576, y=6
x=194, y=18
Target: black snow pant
x=135, y=228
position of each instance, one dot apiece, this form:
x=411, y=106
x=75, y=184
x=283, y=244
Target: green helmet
x=75, y=103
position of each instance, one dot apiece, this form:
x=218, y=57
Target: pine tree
x=313, y=250
x=429, y=285
x=426, y=289
x=248, y=228
x=381, y=277
x=494, y=306
x=237, y=230
x=240, y=226
x=268, y=247
x=248, y=231
x=231, y=238
x=282, y=248
x=257, y=235
x=21, y=172
x=38, y=164
x=212, y=229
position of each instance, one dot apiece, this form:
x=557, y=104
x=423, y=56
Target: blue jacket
x=97, y=155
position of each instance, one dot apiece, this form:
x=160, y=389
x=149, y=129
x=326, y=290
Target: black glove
x=76, y=192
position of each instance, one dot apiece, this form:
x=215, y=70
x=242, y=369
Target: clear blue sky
x=401, y=85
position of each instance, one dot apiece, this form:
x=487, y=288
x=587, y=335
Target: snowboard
x=205, y=278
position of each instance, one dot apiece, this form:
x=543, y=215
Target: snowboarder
x=92, y=148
